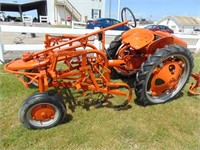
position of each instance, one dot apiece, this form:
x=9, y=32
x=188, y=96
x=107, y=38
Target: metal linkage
x=193, y=86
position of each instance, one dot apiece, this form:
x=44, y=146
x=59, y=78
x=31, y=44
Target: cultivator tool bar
x=63, y=64
x=193, y=86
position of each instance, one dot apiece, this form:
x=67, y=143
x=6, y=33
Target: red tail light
x=94, y=22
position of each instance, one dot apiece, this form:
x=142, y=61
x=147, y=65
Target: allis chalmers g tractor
x=160, y=63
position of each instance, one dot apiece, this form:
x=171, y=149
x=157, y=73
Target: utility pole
x=118, y=12
x=110, y=9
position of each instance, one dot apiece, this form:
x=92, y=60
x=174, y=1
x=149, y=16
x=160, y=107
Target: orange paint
x=88, y=69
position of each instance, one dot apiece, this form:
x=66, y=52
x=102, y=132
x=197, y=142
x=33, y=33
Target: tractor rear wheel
x=113, y=47
x=163, y=75
x=111, y=53
x=42, y=110
x=26, y=79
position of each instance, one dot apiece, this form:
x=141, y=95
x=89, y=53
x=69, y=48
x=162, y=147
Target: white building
x=181, y=24
x=58, y=11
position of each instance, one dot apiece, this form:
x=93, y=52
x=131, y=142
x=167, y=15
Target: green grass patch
x=173, y=125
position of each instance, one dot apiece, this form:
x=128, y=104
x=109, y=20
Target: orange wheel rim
x=132, y=60
x=165, y=78
x=43, y=112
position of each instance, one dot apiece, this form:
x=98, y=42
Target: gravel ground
x=12, y=38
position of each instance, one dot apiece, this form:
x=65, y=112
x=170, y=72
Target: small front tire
x=42, y=111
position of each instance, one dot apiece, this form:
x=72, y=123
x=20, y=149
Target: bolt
x=43, y=115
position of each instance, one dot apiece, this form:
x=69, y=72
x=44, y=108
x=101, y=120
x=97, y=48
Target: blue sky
x=156, y=9
x=149, y=9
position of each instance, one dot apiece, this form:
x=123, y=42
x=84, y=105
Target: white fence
x=27, y=19
x=193, y=41
x=78, y=25
x=43, y=19
x=25, y=47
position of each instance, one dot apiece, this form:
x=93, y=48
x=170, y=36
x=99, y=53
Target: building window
x=96, y=13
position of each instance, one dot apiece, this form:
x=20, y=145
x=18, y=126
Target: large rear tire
x=111, y=53
x=113, y=47
x=42, y=110
x=163, y=75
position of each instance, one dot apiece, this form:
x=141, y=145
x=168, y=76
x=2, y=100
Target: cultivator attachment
x=193, y=86
x=59, y=66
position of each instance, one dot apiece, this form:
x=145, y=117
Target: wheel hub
x=43, y=112
x=165, y=78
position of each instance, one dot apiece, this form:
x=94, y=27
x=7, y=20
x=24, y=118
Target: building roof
x=15, y=6
x=183, y=20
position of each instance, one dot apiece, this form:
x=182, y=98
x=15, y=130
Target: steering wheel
x=127, y=15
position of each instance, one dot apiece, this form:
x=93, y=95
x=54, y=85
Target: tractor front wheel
x=163, y=75
x=42, y=110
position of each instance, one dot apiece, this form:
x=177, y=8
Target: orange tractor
x=159, y=63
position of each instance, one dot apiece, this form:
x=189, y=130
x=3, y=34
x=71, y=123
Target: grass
x=173, y=125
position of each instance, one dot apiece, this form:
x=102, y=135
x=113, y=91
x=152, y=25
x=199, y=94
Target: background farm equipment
x=193, y=86
x=160, y=62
